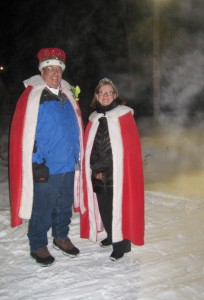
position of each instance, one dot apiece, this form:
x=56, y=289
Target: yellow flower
x=76, y=91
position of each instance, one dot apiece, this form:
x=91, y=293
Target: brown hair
x=106, y=81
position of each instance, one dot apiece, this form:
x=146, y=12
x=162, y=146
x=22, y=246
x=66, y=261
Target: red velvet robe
x=128, y=192
x=22, y=136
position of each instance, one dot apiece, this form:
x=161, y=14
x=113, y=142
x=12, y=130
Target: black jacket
x=101, y=160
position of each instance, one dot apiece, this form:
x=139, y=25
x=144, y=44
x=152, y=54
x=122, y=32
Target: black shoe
x=123, y=246
x=105, y=243
x=43, y=257
x=115, y=255
x=127, y=248
x=66, y=247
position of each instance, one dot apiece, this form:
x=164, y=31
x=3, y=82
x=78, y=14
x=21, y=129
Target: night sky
x=108, y=39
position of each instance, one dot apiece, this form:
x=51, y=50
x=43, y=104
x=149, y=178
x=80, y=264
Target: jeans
x=52, y=208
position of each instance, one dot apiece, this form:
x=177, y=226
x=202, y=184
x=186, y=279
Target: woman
x=113, y=174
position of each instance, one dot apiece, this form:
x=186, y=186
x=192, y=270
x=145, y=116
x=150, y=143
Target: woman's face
x=105, y=95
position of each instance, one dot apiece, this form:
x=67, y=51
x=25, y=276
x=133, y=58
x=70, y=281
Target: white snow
x=169, y=266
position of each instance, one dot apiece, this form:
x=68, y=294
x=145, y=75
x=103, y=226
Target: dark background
x=109, y=38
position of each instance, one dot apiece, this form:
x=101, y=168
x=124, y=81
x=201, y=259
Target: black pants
x=105, y=203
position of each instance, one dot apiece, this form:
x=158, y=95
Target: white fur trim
x=118, y=171
x=118, y=161
x=119, y=111
x=91, y=197
x=35, y=80
x=28, y=143
x=78, y=190
x=51, y=62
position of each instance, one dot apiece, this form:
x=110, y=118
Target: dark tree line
x=101, y=38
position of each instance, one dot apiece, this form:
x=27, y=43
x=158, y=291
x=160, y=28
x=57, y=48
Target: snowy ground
x=169, y=266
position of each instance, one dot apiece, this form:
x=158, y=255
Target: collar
x=54, y=91
x=103, y=109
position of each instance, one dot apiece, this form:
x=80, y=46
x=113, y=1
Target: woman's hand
x=99, y=176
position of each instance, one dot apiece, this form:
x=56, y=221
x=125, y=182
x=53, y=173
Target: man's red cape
x=15, y=157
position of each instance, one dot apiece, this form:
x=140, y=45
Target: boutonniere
x=75, y=91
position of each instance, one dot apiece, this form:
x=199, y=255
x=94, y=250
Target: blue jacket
x=57, y=134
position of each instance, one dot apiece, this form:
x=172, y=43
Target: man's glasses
x=54, y=70
x=107, y=93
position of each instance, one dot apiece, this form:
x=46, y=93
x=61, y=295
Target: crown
x=105, y=80
x=51, y=56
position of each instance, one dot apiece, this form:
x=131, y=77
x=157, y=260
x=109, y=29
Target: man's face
x=52, y=75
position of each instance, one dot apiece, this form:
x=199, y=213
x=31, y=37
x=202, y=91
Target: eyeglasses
x=107, y=93
x=54, y=70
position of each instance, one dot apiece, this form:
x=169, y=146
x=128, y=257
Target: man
x=46, y=148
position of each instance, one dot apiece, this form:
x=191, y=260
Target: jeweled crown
x=105, y=80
